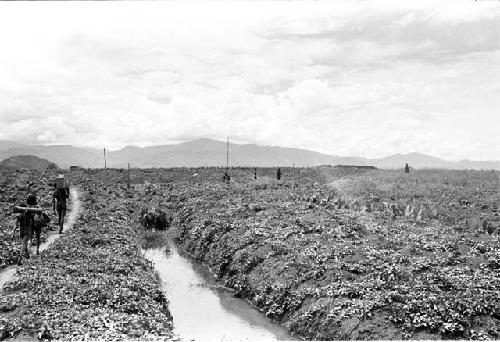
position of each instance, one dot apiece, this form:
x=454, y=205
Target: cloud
x=347, y=78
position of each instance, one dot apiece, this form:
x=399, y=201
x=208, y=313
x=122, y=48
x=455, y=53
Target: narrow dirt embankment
x=91, y=283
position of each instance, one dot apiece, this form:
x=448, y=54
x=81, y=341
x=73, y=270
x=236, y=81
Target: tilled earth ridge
x=92, y=283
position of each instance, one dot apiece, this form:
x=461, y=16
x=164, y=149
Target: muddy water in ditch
x=203, y=312
x=8, y=273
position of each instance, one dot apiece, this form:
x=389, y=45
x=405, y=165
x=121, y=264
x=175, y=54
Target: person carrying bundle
x=59, y=200
x=40, y=219
x=26, y=222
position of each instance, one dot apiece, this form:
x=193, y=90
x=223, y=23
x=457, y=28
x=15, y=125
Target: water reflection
x=201, y=310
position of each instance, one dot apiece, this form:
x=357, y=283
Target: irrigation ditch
x=204, y=310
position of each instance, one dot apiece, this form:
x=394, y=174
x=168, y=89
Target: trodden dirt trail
x=8, y=273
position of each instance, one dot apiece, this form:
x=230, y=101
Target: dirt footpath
x=7, y=274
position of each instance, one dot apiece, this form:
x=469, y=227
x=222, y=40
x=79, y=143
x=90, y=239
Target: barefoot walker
x=60, y=195
x=26, y=223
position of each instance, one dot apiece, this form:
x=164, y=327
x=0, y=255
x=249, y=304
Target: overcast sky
x=355, y=78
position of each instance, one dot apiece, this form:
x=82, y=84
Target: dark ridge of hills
x=208, y=152
x=27, y=162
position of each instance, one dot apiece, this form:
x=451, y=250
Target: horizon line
x=179, y=142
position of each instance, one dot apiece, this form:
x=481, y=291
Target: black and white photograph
x=261, y=170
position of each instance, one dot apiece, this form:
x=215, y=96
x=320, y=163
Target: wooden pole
x=227, y=154
x=128, y=183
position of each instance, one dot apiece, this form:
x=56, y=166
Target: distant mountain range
x=207, y=152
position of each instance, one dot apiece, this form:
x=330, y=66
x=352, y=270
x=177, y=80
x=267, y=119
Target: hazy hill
x=62, y=155
x=415, y=160
x=207, y=152
x=26, y=162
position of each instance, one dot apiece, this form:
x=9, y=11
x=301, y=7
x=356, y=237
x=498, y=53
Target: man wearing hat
x=59, y=199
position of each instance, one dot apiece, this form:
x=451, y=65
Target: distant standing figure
x=278, y=174
x=407, y=168
x=255, y=173
x=59, y=201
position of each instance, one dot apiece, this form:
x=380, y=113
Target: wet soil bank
x=292, y=287
x=91, y=283
x=204, y=311
x=332, y=274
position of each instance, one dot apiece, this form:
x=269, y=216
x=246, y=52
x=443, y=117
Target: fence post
x=128, y=176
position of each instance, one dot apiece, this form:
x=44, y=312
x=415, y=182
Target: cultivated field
x=93, y=282
x=331, y=253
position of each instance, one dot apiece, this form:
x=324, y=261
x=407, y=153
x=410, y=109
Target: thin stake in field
x=128, y=176
x=227, y=154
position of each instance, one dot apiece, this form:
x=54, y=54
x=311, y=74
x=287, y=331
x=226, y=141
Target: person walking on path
x=278, y=174
x=26, y=223
x=59, y=198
